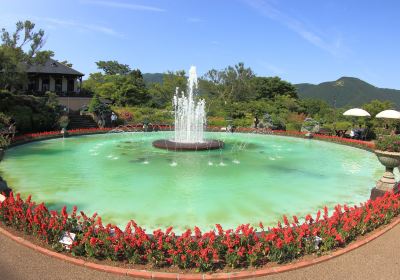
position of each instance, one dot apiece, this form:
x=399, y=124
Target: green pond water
x=255, y=178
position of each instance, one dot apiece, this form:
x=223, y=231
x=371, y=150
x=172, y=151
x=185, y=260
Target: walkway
x=380, y=259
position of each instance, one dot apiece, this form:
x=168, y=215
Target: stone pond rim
x=178, y=146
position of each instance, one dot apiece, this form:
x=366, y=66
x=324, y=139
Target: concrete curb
x=145, y=274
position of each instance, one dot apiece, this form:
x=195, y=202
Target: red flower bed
x=336, y=139
x=293, y=133
x=50, y=134
x=242, y=247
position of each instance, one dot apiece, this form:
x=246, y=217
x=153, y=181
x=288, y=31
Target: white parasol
x=388, y=114
x=356, y=112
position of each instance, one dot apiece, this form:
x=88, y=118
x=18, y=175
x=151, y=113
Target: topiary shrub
x=63, y=121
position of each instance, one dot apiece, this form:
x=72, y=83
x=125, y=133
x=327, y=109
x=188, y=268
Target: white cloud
x=333, y=46
x=121, y=5
x=55, y=22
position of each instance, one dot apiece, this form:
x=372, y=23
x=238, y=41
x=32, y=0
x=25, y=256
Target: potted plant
x=310, y=126
x=4, y=142
x=388, y=153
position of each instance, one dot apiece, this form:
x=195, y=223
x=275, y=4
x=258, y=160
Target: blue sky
x=301, y=41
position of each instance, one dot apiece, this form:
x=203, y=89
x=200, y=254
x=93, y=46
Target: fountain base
x=178, y=146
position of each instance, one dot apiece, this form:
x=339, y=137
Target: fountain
x=190, y=119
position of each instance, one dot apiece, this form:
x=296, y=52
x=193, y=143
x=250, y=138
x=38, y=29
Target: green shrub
x=29, y=112
x=4, y=120
x=23, y=118
x=246, y=122
x=4, y=142
x=216, y=121
x=293, y=126
x=389, y=143
x=145, y=114
x=94, y=104
x=63, y=121
x=343, y=125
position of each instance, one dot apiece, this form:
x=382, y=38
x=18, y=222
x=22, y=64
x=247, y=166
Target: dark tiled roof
x=52, y=66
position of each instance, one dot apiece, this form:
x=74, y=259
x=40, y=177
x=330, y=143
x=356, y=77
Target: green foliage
x=4, y=142
x=293, y=126
x=233, y=84
x=14, y=58
x=144, y=114
x=162, y=94
x=217, y=121
x=66, y=63
x=97, y=106
x=390, y=143
x=122, y=89
x=113, y=67
x=269, y=87
x=376, y=106
x=343, y=125
x=243, y=122
x=63, y=121
x=29, y=112
x=4, y=121
x=51, y=100
x=314, y=107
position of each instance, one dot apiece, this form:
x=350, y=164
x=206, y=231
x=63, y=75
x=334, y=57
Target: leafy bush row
x=390, y=143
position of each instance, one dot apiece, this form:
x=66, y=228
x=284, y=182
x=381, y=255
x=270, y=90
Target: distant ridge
x=348, y=91
x=153, y=78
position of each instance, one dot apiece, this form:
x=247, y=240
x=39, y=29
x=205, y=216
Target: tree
x=66, y=63
x=237, y=83
x=113, y=67
x=121, y=89
x=269, y=87
x=211, y=85
x=131, y=89
x=94, y=104
x=94, y=80
x=313, y=107
x=17, y=51
x=162, y=94
x=376, y=106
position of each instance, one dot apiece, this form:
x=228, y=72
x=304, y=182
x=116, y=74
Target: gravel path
x=380, y=259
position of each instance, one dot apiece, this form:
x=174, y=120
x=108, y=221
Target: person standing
x=256, y=122
x=113, y=119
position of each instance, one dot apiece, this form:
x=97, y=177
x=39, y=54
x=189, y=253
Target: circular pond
x=255, y=178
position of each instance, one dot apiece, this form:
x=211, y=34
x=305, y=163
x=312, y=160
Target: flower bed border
x=145, y=274
x=30, y=137
x=39, y=136
x=241, y=274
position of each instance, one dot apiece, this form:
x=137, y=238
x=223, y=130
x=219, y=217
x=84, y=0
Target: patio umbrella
x=388, y=114
x=356, y=112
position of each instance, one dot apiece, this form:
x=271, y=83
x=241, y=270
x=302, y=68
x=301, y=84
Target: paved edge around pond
x=229, y=275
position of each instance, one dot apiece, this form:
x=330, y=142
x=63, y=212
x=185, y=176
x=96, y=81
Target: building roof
x=52, y=66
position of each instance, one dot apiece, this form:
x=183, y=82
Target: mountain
x=347, y=91
x=152, y=78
